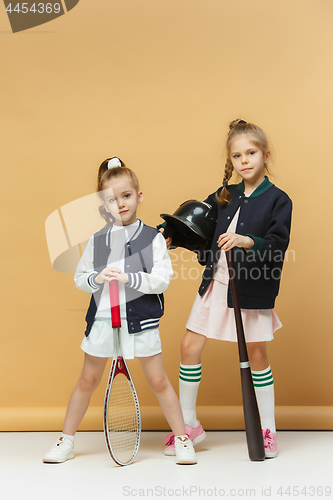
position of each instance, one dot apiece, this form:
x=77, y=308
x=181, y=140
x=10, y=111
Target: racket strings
x=123, y=419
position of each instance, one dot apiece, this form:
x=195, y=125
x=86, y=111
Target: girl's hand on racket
x=111, y=273
x=227, y=241
x=122, y=277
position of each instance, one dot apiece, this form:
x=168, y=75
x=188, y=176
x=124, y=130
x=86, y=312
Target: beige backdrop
x=156, y=83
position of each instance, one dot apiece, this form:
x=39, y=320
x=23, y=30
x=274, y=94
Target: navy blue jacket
x=265, y=216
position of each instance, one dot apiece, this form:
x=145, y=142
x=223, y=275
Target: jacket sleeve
x=85, y=273
x=211, y=199
x=158, y=280
x=275, y=242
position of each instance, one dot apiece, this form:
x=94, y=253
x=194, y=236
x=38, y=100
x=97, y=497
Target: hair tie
x=114, y=162
x=241, y=121
x=225, y=184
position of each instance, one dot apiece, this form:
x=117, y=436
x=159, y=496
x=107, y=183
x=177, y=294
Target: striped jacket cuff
x=91, y=281
x=134, y=280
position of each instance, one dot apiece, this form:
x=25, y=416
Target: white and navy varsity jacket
x=149, y=270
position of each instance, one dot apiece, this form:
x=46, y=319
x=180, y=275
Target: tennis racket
x=122, y=418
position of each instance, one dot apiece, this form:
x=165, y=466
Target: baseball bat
x=254, y=438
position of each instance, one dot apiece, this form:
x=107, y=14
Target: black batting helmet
x=192, y=226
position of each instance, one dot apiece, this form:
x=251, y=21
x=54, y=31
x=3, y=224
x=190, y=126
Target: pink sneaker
x=196, y=435
x=270, y=443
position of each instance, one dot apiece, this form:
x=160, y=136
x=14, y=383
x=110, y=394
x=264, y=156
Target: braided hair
x=258, y=137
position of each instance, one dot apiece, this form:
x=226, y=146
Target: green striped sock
x=189, y=381
x=190, y=373
x=262, y=378
x=264, y=389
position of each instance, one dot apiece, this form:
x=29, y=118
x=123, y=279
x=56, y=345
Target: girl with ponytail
x=254, y=218
x=134, y=254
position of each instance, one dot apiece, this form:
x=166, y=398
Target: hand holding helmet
x=191, y=226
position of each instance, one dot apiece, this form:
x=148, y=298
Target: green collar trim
x=266, y=184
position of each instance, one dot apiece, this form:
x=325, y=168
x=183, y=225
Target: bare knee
x=185, y=347
x=258, y=356
x=191, y=348
x=88, y=382
x=159, y=383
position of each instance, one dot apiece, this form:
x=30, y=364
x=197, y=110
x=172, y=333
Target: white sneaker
x=185, y=454
x=61, y=451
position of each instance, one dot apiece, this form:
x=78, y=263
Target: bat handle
x=114, y=302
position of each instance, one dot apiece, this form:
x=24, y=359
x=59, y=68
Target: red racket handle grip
x=114, y=302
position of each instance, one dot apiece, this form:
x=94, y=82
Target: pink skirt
x=210, y=316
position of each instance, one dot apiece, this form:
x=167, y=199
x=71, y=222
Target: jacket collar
x=133, y=237
x=266, y=184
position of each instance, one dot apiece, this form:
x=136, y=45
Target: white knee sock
x=264, y=389
x=189, y=380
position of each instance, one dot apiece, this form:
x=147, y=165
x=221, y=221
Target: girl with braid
x=254, y=218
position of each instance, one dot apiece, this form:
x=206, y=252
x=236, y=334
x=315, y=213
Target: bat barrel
x=255, y=443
